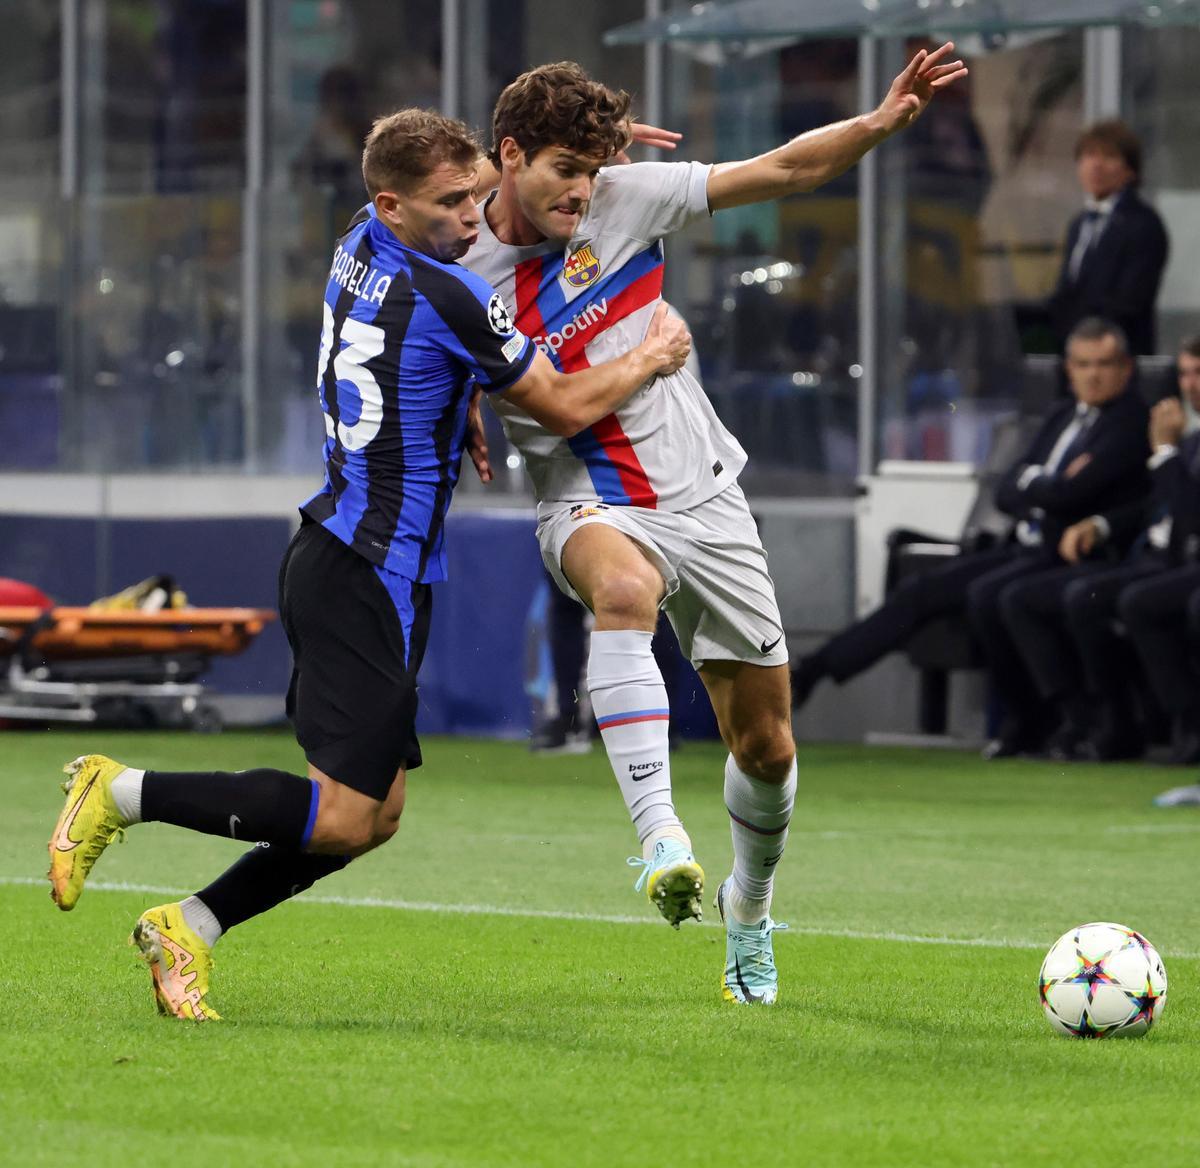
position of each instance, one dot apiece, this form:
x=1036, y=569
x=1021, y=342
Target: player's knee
x=627, y=596
x=765, y=753
x=386, y=826
x=343, y=829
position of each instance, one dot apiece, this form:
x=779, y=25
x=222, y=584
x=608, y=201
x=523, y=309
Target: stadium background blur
x=173, y=175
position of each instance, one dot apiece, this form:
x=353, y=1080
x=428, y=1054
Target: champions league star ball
x=1102, y=981
x=498, y=316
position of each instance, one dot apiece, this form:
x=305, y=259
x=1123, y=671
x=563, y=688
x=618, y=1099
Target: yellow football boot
x=88, y=824
x=180, y=963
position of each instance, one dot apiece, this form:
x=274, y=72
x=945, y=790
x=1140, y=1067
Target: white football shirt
x=591, y=301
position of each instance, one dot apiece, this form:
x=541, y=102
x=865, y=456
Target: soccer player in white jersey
x=643, y=510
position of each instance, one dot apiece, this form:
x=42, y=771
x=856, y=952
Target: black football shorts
x=358, y=635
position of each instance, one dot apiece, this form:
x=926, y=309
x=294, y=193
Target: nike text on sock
x=630, y=704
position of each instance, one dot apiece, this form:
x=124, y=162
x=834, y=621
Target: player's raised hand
x=668, y=341
x=914, y=88
x=645, y=135
x=476, y=439
x=660, y=139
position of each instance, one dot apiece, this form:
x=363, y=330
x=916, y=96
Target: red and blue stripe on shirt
x=543, y=310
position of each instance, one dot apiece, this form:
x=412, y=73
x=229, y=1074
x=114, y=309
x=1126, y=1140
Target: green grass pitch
x=489, y=990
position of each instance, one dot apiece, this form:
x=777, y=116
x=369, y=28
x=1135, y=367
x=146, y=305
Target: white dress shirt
x=1096, y=213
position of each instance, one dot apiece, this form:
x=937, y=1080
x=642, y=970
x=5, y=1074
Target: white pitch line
x=495, y=910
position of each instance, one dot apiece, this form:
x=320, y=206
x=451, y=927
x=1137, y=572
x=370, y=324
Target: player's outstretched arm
x=565, y=403
x=814, y=158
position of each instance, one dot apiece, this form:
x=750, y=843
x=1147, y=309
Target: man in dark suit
x=1088, y=456
x=1158, y=614
x=1064, y=621
x=1116, y=247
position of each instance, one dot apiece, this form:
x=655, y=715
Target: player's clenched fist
x=668, y=340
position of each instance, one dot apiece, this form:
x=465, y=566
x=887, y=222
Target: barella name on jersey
x=368, y=283
x=581, y=322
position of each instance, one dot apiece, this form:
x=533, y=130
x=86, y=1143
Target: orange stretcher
x=72, y=633
x=117, y=665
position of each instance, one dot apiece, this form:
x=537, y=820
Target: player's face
x=1102, y=172
x=1098, y=370
x=554, y=188
x=1189, y=379
x=438, y=216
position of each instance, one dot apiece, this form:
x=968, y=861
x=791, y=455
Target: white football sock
x=672, y=831
x=127, y=795
x=200, y=920
x=630, y=703
x=758, y=820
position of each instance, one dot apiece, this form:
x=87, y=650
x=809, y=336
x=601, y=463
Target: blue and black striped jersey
x=405, y=338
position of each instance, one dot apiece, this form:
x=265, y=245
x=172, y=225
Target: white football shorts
x=720, y=598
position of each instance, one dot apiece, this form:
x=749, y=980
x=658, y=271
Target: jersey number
x=362, y=343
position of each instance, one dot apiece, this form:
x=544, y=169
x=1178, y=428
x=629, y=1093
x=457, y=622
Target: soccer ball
x=1102, y=981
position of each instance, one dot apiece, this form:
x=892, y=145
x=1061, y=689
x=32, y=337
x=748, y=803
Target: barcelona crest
x=581, y=267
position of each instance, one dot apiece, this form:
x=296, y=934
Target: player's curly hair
x=402, y=148
x=560, y=105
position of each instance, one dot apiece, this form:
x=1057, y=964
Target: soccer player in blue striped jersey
x=409, y=341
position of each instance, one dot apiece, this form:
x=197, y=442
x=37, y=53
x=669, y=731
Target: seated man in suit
x=1158, y=614
x=1063, y=621
x=1116, y=247
x=1088, y=456
x=1187, y=796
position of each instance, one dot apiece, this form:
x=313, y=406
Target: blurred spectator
x=1064, y=621
x=1157, y=614
x=331, y=158
x=1116, y=247
x=1189, y=795
x=1088, y=456
x=558, y=728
